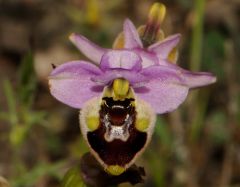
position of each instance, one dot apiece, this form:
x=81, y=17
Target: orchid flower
x=120, y=91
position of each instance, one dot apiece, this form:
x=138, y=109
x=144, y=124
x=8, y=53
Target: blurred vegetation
x=197, y=145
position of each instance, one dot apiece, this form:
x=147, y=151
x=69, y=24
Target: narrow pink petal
x=71, y=83
x=131, y=36
x=173, y=72
x=88, y=48
x=198, y=79
x=164, y=47
x=123, y=59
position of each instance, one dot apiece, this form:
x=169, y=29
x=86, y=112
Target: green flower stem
x=198, y=103
x=197, y=36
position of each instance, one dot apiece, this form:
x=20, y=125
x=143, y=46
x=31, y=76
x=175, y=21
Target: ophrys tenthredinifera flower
x=123, y=89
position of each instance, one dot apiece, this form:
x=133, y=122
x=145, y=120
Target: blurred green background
x=198, y=145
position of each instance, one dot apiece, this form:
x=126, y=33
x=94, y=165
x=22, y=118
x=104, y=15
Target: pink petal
x=131, y=36
x=163, y=95
x=189, y=78
x=198, y=79
x=168, y=86
x=116, y=59
x=165, y=90
x=164, y=47
x=71, y=83
x=88, y=48
x=184, y=77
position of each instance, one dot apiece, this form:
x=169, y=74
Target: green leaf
x=35, y=117
x=27, y=80
x=29, y=178
x=162, y=131
x=158, y=165
x=11, y=102
x=17, y=135
x=73, y=178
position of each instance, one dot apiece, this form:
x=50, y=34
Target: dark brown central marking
x=117, y=151
x=117, y=110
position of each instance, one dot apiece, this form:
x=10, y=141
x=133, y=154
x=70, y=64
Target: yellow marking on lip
x=115, y=170
x=120, y=87
x=142, y=124
x=92, y=123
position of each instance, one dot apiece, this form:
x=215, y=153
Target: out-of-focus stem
x=232, y=112
x=197, y=35
x=198, y=104
x=200, y=100
x=10, y=101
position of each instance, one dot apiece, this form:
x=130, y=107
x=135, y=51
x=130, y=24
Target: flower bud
x=155, y=18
